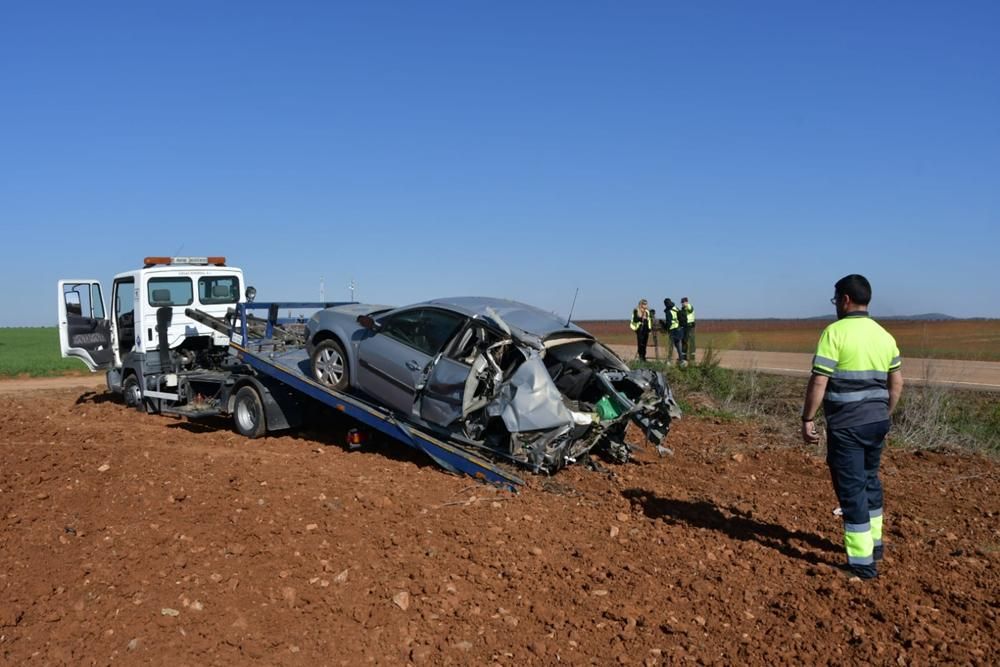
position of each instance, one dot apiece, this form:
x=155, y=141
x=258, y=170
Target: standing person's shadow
x=735, y=523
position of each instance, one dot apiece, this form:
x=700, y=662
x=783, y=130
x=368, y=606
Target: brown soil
x=146, y=539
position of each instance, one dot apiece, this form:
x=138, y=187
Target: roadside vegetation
x=928, y=417
x=34, y=352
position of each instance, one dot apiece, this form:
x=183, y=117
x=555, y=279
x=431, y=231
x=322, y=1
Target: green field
x=34, y=351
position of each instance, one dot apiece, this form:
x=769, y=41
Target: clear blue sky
x=745, y=154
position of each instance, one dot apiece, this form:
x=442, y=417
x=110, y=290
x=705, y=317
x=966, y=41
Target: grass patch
x=706, y=389
x=928, y=417
x=935, y=417
x=34, y=351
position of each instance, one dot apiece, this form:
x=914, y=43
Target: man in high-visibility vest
x=856, y=374
x=689, y=347
x=672, y=323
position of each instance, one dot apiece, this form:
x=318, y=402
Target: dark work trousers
x=689, y=348
x=641, y=338
x=853, y=455
x=677, y=342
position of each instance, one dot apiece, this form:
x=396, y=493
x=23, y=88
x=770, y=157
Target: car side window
x=440, y=326
x=425, y=329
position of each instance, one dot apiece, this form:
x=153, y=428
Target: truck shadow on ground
x=96, y=398
x=322, y=427
x=736, y=524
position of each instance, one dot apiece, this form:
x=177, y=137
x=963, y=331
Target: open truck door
x=84, y=329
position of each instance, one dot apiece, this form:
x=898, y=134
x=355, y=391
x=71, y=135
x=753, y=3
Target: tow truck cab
x=146, y=332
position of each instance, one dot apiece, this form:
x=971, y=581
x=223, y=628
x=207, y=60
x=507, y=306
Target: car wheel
x=248, y=413
x=130, y=391
x=329, y=365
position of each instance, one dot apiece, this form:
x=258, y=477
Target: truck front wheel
x=248, y=413
x=130, y=391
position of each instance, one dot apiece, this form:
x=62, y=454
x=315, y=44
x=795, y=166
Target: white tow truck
x=151, y=350
x=181, y=339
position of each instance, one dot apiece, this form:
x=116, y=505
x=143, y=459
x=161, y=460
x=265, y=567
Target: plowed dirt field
x=140, y=539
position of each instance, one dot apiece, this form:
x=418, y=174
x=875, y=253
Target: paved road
x=984, y=375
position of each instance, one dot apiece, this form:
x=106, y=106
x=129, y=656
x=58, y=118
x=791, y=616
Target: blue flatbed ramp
x=291, y=368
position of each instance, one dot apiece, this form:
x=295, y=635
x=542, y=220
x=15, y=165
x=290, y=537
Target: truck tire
x=130, y=392
x=329, y=365
x=248, y=413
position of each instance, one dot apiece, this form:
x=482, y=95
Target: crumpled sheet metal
x=529, y=400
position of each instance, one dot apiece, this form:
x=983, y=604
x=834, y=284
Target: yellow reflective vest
x=637, y=320
x=675, y=320
x=857, y=354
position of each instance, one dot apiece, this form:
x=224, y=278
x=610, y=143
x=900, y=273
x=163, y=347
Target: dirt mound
x=147, y=539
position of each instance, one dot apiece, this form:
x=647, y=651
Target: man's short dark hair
x=855, y=286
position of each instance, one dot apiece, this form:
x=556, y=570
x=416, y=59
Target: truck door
x=84, y=329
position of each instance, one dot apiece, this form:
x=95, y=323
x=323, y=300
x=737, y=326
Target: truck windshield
x=170, y=292
x=218, y=289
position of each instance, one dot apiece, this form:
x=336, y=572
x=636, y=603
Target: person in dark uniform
x=687, y=310
x=856, y=375
x=641, y=324
x=675, y=329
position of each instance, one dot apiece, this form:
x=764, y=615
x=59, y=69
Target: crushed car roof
x=521, y=315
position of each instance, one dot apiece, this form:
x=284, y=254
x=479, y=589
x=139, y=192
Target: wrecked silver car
x=492, y=374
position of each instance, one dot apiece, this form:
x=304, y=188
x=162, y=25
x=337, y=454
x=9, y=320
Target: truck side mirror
x=251, y=294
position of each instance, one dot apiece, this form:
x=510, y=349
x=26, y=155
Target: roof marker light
x=189, y=261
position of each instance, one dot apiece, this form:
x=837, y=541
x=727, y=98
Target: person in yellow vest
x=672, y=324
x=641, y=324
x=689, y=347
x=856, y=375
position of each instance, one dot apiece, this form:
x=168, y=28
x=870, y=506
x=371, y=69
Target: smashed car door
x=393, y=364
x=442, y=399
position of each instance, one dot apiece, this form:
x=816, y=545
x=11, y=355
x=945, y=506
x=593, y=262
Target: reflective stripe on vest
x=690, y=312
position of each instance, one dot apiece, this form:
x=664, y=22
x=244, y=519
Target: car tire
x=248, y=413
x=329, y=365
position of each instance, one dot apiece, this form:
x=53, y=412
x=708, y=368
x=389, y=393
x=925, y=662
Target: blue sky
x=743, y=154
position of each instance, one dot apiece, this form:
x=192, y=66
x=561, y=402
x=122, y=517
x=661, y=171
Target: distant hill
x=921, y=316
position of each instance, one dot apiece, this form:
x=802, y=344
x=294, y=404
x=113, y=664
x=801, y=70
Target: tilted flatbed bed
x=264, y=357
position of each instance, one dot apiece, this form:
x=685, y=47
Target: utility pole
x=351, y=285
x=322, y=290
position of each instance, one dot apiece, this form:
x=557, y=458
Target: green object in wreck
x=607, y=409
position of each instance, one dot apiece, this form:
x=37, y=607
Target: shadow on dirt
x=96, y=398
x=323, y=427
x=203, y=425
x=735, y=524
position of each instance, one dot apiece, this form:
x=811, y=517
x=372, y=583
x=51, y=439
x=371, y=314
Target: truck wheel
x=248, y=413
x=329, y=365
x=130, y=391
